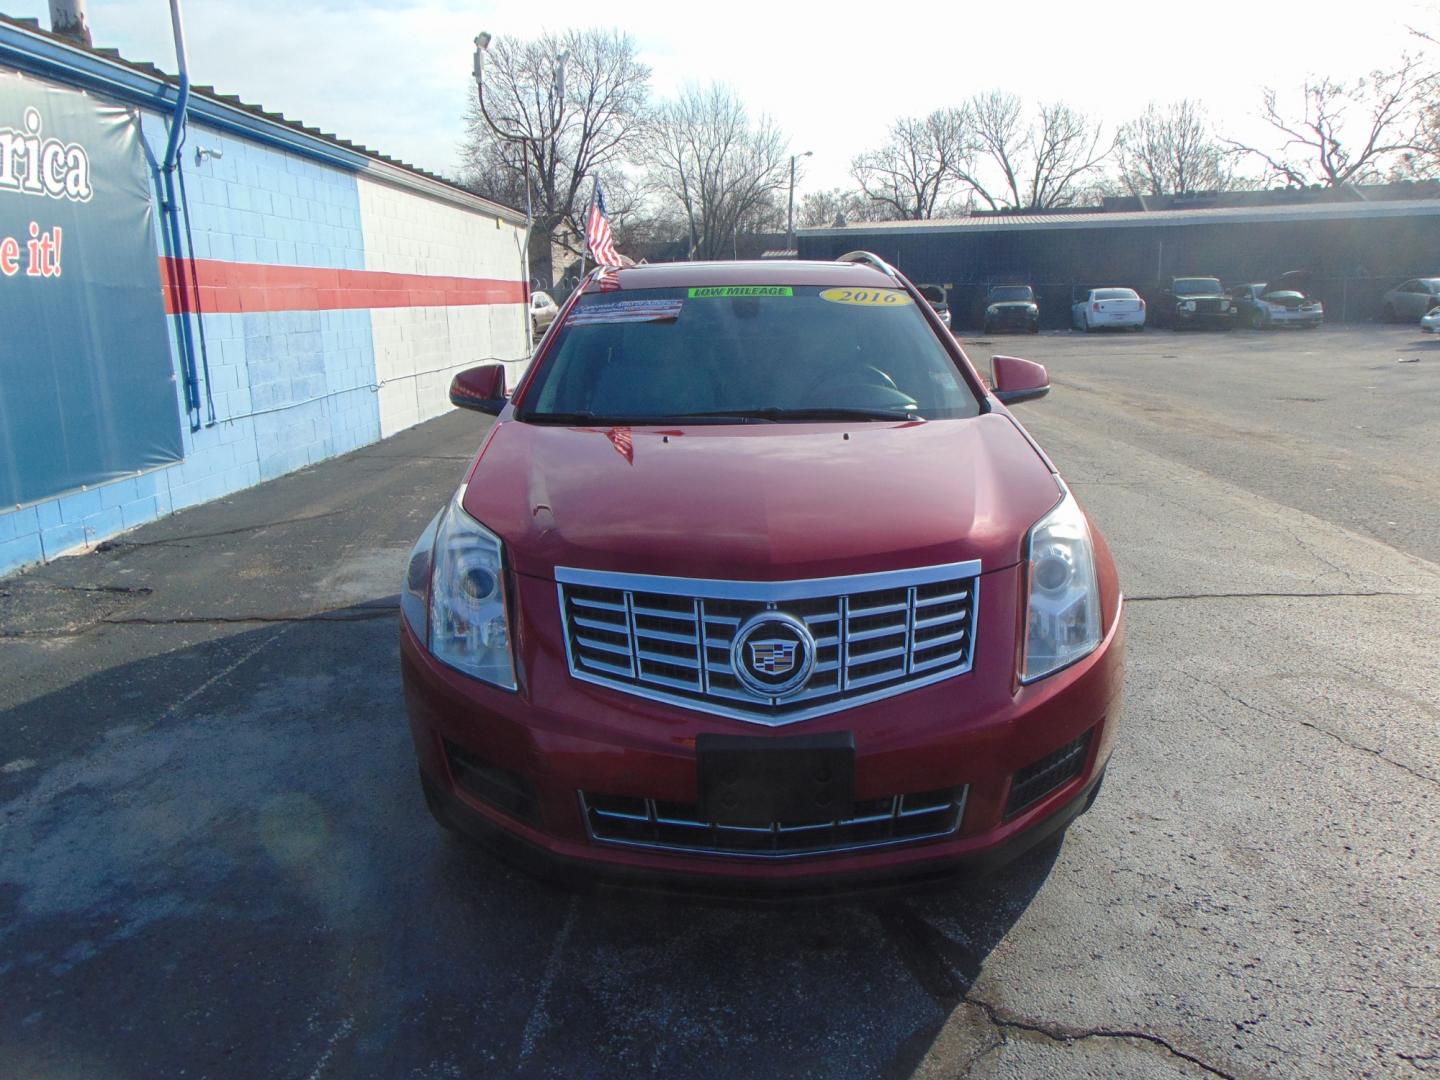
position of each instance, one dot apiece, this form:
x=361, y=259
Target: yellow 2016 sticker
x=867, y=297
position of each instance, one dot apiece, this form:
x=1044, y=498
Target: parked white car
x=1431, y=323
x=1104, y=308
x=543, y=310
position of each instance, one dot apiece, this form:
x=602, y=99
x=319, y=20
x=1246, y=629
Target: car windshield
x=1432, y=283
x=1114, y=294
x=1196, y=286
x=747, y=354
x=1006, y=293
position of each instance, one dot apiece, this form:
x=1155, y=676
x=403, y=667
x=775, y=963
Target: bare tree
x=1171, y=151
x=1348, y=132
x=1424, y=162
x=493, y=169
x=912, y=177
x=836, y=206
x=725, y=172
x=562, y=125
x=1025, y=165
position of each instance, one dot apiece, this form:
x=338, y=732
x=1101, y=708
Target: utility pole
x=482, y=45
x=790, y=215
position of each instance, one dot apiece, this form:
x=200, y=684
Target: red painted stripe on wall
x=230, y=288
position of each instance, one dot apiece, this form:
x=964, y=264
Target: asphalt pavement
x=215, y=862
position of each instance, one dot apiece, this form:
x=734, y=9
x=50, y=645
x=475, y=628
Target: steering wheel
x=866, y=387
x=868, y=376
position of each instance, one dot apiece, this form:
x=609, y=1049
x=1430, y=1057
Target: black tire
x=1034, y=328
x=986, y=330
x=1388, y=315
x=1088, y=328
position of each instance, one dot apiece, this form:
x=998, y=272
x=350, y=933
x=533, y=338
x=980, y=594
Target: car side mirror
x=480, y=388
x=1015, y=379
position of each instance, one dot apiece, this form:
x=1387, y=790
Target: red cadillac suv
x=756, y=582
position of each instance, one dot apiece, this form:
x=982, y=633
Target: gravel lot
x=214, y=860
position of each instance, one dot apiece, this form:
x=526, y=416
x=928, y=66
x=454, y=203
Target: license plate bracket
x=755, y=780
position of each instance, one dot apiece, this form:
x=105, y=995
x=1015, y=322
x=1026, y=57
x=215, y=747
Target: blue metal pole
x=172, y=213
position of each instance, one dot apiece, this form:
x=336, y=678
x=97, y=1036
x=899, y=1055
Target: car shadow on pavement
x=216, y=860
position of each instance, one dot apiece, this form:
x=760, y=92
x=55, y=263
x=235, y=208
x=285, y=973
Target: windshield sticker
x=626, y=311
x=708, y=292
x=867, y=297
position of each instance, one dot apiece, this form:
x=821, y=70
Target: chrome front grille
x=671, y=639
x=894, y=819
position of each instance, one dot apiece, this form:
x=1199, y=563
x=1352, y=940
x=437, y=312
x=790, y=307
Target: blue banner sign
x=87, y=386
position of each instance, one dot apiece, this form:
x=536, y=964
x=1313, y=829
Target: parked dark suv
x=1012, y=307
x=1195, y=301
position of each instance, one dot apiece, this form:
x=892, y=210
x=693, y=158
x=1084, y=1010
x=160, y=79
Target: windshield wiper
x=777, y=414
x=569, y=418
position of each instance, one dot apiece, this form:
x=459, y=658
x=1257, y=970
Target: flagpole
x=585, y=247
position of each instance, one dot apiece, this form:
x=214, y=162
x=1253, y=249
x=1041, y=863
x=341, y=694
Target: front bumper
x=560, y=737
x=1296, y=318
x=1012, y=318
x=1216, y=320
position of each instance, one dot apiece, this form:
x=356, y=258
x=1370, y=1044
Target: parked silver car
x=1263, y=307
x=543, y=310
x=1411, y=300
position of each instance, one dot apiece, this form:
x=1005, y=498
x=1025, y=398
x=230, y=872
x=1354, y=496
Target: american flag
x=597, y=232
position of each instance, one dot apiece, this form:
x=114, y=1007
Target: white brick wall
x=417, y=350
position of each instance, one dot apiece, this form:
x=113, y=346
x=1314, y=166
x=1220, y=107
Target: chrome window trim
x=762, y=591
x=769, y=592
x=952, y=829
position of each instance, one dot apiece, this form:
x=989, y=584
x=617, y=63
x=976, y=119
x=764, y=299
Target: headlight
x=1062, y=620
x=469, y=618
x=993, y=309
x=415, y=592
x=1032, y=308
x=1187, y=305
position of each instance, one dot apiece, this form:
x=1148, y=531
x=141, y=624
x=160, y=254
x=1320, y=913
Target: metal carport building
x=1353, y=251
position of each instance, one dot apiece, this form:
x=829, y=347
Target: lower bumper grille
x=896, y=819
x=492, y=784
x=1040, y=778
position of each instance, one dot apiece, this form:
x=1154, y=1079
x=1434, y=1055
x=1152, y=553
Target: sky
x=394, y=75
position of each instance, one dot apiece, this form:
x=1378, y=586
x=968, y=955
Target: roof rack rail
x=870, y=259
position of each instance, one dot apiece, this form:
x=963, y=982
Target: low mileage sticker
x=867, y=297
x=706, y=292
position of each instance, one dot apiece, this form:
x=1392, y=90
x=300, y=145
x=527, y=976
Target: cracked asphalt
x=214, y=859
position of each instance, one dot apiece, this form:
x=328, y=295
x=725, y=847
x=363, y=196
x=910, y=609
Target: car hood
x=761, y=502
x=1286, y=298
x=1012, y=303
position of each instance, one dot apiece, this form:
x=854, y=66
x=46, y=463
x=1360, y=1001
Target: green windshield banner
x=87, y=387
x=725, y=291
